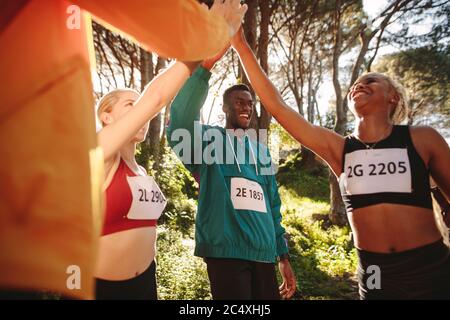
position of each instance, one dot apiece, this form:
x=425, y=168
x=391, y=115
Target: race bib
x=148, y=200
x=376, y=170
x=247, y=195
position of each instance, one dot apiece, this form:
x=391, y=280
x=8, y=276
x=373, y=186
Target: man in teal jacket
x=238, y=230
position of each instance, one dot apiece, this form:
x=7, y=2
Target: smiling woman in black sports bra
x=383, y=172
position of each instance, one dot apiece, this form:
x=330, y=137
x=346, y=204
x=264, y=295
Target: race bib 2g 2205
x=376, y=170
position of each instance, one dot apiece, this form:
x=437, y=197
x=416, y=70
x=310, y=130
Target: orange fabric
x=50, y=167
x=46, y=131
x=172, y=28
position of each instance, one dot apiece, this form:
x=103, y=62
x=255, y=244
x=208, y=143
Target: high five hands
x=210, y=62
x=232, y=11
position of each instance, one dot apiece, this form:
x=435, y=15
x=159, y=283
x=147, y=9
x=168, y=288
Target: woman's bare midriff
x=387, y=228
x=126, y=254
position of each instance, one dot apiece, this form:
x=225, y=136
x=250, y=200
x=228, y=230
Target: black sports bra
x=389, y=172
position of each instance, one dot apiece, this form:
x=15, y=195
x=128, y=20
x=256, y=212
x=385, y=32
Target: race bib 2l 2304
x=148, y=200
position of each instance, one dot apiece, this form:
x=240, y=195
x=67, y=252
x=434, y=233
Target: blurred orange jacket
x=50, y=167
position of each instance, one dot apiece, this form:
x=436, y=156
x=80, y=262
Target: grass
x=324, y=258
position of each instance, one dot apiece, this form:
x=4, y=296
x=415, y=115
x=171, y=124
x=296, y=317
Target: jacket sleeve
x=275, y=204
x=184, y=132
x=181, y=29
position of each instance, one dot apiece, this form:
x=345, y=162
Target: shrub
x=180, y=275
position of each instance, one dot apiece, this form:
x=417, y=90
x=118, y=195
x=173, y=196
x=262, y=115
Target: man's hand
x=210, y=62
x=232, y=11
x=289, y=285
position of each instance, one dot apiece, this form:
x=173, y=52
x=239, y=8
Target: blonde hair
x=107, y=102
x=400, y=111
x=439, y=219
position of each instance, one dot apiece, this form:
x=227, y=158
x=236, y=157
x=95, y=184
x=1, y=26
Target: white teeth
x=359, y=93
x=244, y=115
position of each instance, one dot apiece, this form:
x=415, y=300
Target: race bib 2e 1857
x=247, y=195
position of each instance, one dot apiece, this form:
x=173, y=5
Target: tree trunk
x=337, y=209
x=151, y=146
x=154, y=130
x=337, y=213
x=249, y=26
x=154, y=136
x=146, y=70
x=308, y=161
x=263, y=45
x=261, y=121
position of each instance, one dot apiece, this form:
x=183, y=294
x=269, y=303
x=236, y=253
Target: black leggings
x=234, y=279
x=421, y=273
x=142, y=287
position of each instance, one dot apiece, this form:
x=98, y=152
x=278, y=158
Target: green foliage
x=425, y=73
x=323, y=257
x=324, y=260
x=312, y=185
x=180, y=275
x=279, y=136
x=180, y=190
x=440, y=31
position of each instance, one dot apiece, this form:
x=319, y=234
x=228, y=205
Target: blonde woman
x=134, y=202
x=383, y=170
x=125, y=266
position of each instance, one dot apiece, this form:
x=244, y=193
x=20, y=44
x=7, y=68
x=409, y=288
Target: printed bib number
x=148, y=200
x=247, y=195
x=376, y=170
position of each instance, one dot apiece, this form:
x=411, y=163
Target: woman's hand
x=324, y=142
x=239, y=39
x=232, y=11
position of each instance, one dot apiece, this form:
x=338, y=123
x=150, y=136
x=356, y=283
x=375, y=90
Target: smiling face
x=238, y=107
x=370, y=94
x=122, y=101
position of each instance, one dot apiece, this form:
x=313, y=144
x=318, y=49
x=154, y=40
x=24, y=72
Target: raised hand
x=210, y=62
x=238, y=39
x=232, y=11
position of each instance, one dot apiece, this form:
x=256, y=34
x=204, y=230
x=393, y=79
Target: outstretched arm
x=155, y=96
x=181, y=29
x=324, y=142
x=187, y=104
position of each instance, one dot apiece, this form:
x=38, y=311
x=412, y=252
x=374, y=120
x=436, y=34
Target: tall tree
x=259, y=43
x=425, y=73
x=122, y=64
x=300, y=41
x=151, y=147
x=117, y=60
